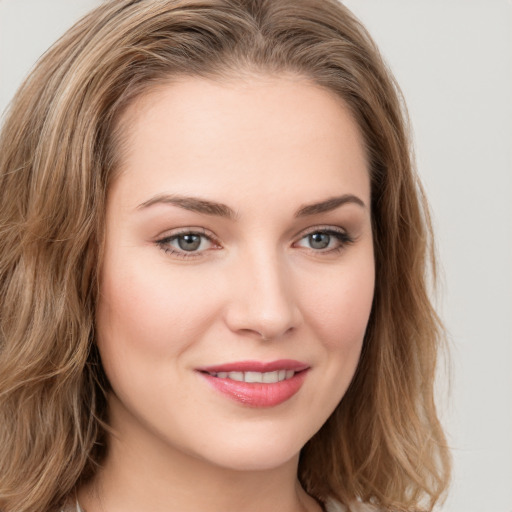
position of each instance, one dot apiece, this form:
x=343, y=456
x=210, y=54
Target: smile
x=257, y=384
x=266, y=377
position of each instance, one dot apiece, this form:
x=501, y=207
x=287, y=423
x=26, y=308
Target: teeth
x=266, y=377
x=253, y=377
x=236, y=376
x=270, y=377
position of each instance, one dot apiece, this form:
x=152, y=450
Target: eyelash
x=163, y=243
x=341, y=236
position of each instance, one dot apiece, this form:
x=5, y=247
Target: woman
x=213, y=263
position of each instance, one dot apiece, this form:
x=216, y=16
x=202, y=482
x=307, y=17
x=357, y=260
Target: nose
x=263, y=301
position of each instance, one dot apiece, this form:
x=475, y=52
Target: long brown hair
x=58, y=152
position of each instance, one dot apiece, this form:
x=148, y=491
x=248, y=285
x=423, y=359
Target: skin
x=255, y=289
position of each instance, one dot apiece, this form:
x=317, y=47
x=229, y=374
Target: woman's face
x=238, y=272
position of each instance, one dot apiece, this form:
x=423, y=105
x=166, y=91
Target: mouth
x=251, y=377
x=257, y=384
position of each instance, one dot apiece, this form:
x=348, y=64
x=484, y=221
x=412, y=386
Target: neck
x=142, y=473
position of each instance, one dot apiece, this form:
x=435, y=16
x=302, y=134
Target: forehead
x=245, y=135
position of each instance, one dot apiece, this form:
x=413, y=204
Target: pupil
x=189, y=242
x=319, y=240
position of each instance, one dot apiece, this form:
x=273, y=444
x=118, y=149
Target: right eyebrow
x=194, y=204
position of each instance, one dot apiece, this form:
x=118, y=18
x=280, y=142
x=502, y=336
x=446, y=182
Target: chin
x=260, y=453
x=247, y=460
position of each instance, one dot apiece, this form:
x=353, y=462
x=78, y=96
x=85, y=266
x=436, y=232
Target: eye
x=325, y=240
x=189, y=242
x=186, y=244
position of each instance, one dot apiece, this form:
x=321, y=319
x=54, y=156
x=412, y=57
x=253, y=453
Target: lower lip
x=256, y=394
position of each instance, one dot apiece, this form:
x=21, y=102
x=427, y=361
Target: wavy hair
x=59, y=149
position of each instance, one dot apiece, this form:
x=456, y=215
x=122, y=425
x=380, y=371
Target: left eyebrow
x=328, y=205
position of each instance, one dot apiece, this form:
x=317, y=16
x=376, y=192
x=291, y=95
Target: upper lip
x=256, y=366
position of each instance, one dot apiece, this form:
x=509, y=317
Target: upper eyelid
x=209, y=234
x=185, y=231
x=321, y=228
x=163, y=242
x=343, y=236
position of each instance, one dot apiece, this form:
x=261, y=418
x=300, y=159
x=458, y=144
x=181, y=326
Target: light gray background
x=453, y=59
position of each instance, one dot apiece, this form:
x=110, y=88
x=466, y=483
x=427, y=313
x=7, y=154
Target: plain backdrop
x=453, y=59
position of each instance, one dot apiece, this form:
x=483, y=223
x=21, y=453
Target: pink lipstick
x=256, y=383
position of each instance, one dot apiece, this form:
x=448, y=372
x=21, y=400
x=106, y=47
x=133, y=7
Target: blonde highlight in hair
x=59, y=149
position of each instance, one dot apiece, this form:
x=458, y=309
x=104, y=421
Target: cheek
x=146, y=313
x=339, y=310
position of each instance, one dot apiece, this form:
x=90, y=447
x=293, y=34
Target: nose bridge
x=265, y=302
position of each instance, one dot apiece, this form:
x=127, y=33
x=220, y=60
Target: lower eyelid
x=342, y=238
x=164, y=243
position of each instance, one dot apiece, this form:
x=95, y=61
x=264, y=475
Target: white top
x=330, y=506
x=334, y=506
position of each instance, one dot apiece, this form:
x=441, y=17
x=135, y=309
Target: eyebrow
x=328, y=205
x=207, y=207
x=193, y=204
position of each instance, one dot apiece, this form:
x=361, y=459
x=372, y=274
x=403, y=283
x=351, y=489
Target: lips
x=257, y=384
